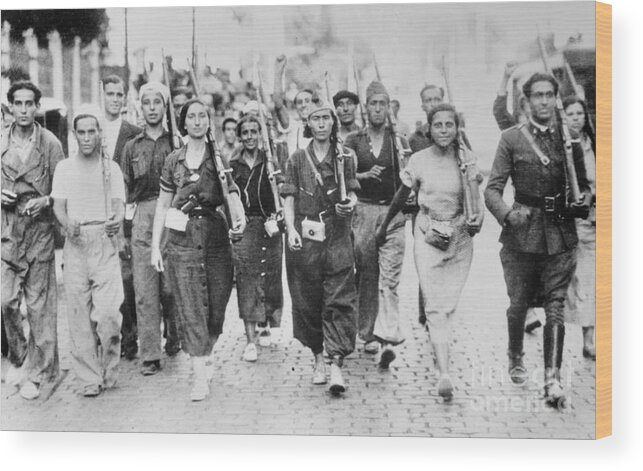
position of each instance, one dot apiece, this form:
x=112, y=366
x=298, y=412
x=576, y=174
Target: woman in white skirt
x=581, y=295
x=443, y=246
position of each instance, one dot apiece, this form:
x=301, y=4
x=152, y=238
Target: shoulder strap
x=313, y=167
x=541, y=155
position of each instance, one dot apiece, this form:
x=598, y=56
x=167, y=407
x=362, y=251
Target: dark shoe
x=172, y=349
x=517, y=370
x=531, y=321
x=150, y=368
x=553, y=342
x=387, y=357
x=129, y=353
x=445, y=388
x=337, y=385
x=92, y=390
x=589, y=353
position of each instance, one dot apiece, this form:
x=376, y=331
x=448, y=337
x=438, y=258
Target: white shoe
x=319, y=373
x=200, y=389
x=15, y=375
x=250, y=353
x=337, y=385
x=264, y=338
x=372, y=347
x=29, y=390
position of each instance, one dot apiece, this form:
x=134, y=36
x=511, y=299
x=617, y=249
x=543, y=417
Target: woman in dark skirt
x=257, y=257
x=199, y=256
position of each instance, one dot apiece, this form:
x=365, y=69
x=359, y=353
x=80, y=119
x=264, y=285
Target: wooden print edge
x=604, y=220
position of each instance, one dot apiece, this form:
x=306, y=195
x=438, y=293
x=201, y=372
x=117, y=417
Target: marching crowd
x=160, y=223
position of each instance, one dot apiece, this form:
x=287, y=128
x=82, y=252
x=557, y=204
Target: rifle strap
x=313, y=167
x=541, y=155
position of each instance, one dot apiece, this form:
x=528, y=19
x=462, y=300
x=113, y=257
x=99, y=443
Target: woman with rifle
x=257, y=257
x=199, y=256
x=443, y=230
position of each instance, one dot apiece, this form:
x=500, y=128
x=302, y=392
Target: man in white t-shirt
x=91, y=218
x=295, y=132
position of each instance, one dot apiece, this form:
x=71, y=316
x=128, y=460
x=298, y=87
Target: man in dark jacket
x=117, y=132
x=538, y=242
x=30, y=154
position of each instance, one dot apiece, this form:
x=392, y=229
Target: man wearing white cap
x=142, y=163
x=89, y=194
x=318, y=222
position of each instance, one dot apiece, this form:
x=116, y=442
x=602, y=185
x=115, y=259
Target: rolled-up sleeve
x=500, y=172
x=167, y=174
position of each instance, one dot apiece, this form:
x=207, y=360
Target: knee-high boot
x=516, y=331
x=553, y=342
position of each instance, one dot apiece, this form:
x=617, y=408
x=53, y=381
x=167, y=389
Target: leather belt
x=549, y=204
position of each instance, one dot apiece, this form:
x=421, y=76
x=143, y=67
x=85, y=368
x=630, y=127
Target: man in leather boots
x=538, y=237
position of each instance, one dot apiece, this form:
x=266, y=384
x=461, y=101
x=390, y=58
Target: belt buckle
x=550, y=204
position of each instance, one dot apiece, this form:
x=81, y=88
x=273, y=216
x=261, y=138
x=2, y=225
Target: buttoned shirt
x=516, y=159
x=142, y=164
x=256, y=192
x=177, y=178
x=311, y=198
x=22, y=146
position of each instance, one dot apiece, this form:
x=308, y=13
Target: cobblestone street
x=275, y=394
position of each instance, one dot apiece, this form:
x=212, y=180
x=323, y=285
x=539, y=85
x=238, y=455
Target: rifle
x=466, y=162
x=233, y=207
x=571, y=182
x=362, y=113
x=268, y=145
x=105, y=158
x=401, y=151
x=176, y=142
x=577, y=92
x=340, y=156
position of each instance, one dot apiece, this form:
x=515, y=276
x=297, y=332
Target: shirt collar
x=540, y=127
x=29, y=141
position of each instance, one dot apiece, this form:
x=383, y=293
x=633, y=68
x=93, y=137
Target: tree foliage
x=87, y=24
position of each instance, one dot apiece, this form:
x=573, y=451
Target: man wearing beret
x=89, y=197
x=142, y=163
x=378, y=268
x=346, y=105
x=539, y=234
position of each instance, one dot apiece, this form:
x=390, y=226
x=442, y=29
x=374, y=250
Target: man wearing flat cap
x=142, y=163
x=89, y=195
x=378, y=268
x=346, y=104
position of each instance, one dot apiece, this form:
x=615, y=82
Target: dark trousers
x=526, y=274
x=129, y=331
x=324, y=296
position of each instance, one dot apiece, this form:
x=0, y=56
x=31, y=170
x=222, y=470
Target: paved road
x=275, y=396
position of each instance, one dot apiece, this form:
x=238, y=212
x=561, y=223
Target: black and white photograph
x=340, y=220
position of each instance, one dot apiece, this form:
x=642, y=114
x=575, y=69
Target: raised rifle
x=466, y=162
x=175, y=141
x=266, y=136
x=362, y=113
x=233, y=207
x=340, y=156
x=571, y=180
x=105, y=158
